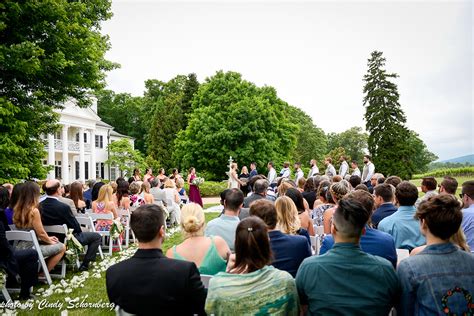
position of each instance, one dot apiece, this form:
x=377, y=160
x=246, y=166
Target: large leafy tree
x=353, y=140
x=49, y=51
x=422, y=157
x=124, y=157
x=234, y=117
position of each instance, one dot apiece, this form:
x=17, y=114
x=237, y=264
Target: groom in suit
x=149, y=283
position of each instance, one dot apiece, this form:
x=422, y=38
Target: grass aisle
x=80, y=289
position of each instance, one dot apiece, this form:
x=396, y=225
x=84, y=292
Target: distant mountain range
x=463, y=159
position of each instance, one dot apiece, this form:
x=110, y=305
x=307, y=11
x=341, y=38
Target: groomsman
x=253, y=170
x=368, y=171
x=344, y=168
x=298, y=171
x=330, y=170
x=355, y=168
x=314, y=169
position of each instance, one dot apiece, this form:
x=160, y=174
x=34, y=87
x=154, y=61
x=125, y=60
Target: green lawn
x=92, y=290
x=460, y=180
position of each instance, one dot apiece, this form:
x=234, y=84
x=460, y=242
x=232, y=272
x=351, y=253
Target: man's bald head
x=51, y=187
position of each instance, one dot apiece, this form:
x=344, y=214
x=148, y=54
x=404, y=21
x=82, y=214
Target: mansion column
x=92, y=160
x=51, y=157
x=82, y=172
x=65, y=160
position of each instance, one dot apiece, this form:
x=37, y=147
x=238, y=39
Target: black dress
x=244, y=177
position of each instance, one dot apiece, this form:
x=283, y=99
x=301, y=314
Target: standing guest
x=428, y=187
x=149, y=282
x=194, y=194
x=440, y=279
x=95, y=191
x=354, y=181
x=372, y=241
x=288, y=221
x=383, y=196
x=136, y=175
x=355, y=168
x=88, y=193
x=344, y=168
x=210, y=254
x=288, y=250
x=298, y=172
x=449, y=185
x=303, y=212
x=18, y=264
x=360, y=283
x=402, y=225
x=54, y=212
x=104, y=205
x=271, y=173
x=175, y=174
x=148, y=175
x=314, y=170
x=13, y=200
x=285, y=172
x=252, y=286
x=330, y=170
x=326, y=202
x=259, y=192
x=253, y=170
x=244, y=180
x=338, y=191
x=225, y=225
x=467, y=197
x=181, y=191
x=159, y=194
x=4, y=202
x=26, y=216
x=393, y=180
x=77, y=197
x=121, y=198
x=161, y=175
x=368, y=171
x=309, y=192
x=145, y=193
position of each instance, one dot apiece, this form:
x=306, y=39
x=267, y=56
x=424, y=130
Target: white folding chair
x=104, y=234
x=5, y=294
x=87, y=224
x=402, y=254
x=315, y=244
x=120, y=312
x=18, y=235
x=318, y=230
x=12, y=227
x=205, y=280
x=63, y=230
x=124, y=215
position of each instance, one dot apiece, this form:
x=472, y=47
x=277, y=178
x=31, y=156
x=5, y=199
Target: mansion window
x=99, y=170
x=57, y=169
x=85, y=137
x=99, y=141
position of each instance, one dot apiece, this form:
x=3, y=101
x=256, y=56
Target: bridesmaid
x=194, y=194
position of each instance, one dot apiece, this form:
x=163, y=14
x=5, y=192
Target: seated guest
x=428, y=186
x=172, y=202
x=402, y=225
x=288, y=250
x=19, y=265
x=225, y=225
x=288, y=221
x=95, y=191
x=26, y=216
x=64, y=198
x=449, y=185
x=4, y=202
x=467, y=196
x=354, y=181
x=323, y=203
x=88, y=193
x=458, y=239
x=440, y=279
x=149, y=283
x=120, y=198
x=77, y=197
x=354, y=282
x=104, y=205
x=159, y=195
x=210, y=254
x=251, y=286
x=303, y=212
x=309, y=191
x=362, y=187
x=181, y=191
x=337, y=190
x=54, y=212
x=383, y=194
x=259, y=192
x=373, y=241
x=145, y=193
x=393, y=180
x=13, y=199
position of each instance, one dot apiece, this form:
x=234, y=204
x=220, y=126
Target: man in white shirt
x=330, y=170
x=271, y=173
x=298, y=171
x=314, y=169
x=368, y=171
x=355, y=168
x=285, y=172
x=344, y=168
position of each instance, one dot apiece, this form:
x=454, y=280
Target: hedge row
x=455, y=172
x=210, y=188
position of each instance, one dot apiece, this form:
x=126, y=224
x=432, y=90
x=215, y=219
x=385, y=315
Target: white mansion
x=79, y=150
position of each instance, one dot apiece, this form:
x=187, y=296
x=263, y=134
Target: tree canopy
x=353, y=140
x=124, y=157
x=49, y=51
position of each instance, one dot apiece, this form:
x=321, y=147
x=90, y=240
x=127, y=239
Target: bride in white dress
x=234, y=181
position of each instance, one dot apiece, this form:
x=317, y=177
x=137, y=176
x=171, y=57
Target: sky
x=314, y=53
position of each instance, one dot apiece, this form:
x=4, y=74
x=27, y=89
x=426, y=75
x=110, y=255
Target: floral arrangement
x=116, y=228
x=73, y=247
x=198, y=181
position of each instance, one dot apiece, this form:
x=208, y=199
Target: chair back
x=102, y=216
x=56, y=229
x=402, y=254
x=205, y=279
x=318, y=230
x=86, y=222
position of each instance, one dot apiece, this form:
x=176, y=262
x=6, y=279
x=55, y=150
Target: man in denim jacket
x=440, y=279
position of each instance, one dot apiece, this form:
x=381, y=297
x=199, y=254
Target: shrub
x=210, y=188
x=454, y=172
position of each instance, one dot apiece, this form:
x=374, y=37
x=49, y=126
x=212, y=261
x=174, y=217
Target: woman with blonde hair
x=234, y=181
x=145, y=193
x=337, y=190
x=210, y=254
x=104, y=205
x=26, y=216
x=288, y=221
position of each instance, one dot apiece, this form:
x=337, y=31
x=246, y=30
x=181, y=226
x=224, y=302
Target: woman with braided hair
x=337, y=190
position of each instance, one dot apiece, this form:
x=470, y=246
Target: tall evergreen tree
x=385, y=121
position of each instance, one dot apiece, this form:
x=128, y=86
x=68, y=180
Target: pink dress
x=102, y=225
x=194, y=194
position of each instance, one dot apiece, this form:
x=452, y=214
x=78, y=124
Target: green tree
x=422, y=157
x=123, y=156
x=335, y=154
x=311, y=142
x=353, y=140
x=49, y=51
x=385, y=121
x=233, y=117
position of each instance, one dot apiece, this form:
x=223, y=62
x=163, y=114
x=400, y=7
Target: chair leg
x=44, y=267
x=101, y=253
x=127, y=236
x=111, y=242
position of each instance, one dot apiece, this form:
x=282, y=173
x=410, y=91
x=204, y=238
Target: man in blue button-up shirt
x=403, y=227
x=467, y=196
